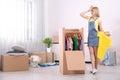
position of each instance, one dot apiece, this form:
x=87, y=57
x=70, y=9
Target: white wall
x=66, y=13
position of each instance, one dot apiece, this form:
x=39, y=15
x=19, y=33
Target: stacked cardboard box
x=56, y=39
x=15, y=63
x=46, y=57
x=49, y=57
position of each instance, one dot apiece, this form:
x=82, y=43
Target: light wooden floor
x=53, y=73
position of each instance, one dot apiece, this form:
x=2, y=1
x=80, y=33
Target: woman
x=94, y=25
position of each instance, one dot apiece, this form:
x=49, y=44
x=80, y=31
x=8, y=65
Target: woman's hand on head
x=90, y=9
x=83, y=14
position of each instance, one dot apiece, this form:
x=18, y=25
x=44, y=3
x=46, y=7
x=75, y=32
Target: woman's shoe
x=91, y=71
x=94, y=71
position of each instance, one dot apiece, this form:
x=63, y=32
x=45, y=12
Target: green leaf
x=48, y=42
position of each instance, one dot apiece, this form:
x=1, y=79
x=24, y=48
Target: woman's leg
x=92, y=57
x=95, y=54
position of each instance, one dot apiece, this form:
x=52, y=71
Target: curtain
x=21, y=22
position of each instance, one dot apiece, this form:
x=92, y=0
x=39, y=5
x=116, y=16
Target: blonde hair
x=97, y=11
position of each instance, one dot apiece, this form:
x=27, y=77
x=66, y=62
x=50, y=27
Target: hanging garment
x=75, y=44
x=69, y=43
x=104, y=43
x=92, y=34
x=65, y=43
x=80, y=43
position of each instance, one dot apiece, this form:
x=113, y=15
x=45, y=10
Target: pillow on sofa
x=18, y=47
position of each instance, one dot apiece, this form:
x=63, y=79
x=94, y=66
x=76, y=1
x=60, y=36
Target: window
x=21, y=23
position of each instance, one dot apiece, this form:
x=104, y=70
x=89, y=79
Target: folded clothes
x=16, y=51
x=49, y=64
x=16, y=54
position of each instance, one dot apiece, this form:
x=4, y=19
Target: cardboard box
x=55, y=39
x=41, y=55
x=50, y=57
x=71, y=62
x=0, y=63
x=46, y=57
x=15, y=63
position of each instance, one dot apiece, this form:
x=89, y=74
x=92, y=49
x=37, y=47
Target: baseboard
x=56, y=60
x=55, y=42
x=85, y=61
x=88, y=62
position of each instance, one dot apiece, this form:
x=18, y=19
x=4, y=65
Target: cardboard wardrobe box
x=46, y=57
x=15, y=63
x=71, y=61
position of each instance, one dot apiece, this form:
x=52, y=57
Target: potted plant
x=48, y=42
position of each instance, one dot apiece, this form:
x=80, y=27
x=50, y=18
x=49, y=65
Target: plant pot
x=49, y=49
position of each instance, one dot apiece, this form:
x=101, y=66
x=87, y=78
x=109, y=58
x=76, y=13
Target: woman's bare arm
x=100, y=26
x=83, y=14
